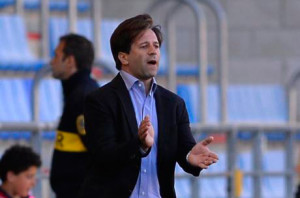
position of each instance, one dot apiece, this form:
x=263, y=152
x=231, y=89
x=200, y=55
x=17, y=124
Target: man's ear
x=10, y=176
x=71, y=62
x=123, y=57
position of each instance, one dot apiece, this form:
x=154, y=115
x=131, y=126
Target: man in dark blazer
x=136, y=129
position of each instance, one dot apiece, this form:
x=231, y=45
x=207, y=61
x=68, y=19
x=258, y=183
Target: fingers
x=203, y=166
x=146, y=133
x=213, y=156
x=147, y=118
x=143, y=131
x=143, y=135
x=207, y=140
x=206, y=163
x=145, y=122
x=145, y=128
x=210, y=158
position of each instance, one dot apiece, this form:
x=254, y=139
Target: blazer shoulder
x=167, y=94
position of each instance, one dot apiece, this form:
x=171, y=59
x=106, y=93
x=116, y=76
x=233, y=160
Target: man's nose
x=153, y=50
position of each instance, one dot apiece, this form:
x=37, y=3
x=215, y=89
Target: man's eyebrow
x=143, y=42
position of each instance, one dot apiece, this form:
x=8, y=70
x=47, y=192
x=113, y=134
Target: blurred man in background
x=136, y=129
x=71, y=64
x=18, y=168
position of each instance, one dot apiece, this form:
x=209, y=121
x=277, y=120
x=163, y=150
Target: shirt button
x=145, y=170
x=143, y=193
x=140, y=84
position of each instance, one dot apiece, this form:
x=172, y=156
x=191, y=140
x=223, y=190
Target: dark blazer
x=113, y=142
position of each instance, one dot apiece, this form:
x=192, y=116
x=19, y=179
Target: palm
x=200, y=154
x=199, y=150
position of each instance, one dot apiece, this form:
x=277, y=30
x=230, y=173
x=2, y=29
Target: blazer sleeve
x=101, y=134
x=186, y=140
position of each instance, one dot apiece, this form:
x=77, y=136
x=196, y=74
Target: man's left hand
x=201, y=156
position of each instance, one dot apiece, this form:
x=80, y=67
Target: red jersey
x=3, y=194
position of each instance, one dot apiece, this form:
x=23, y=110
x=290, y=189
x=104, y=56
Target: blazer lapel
x=161, y=120
x=126, y=102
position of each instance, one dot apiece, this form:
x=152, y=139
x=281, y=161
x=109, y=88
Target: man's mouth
x=152, y=62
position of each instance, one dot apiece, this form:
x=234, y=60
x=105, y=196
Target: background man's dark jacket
x=68, y=167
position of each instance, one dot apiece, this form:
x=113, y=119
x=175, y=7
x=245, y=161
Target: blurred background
x=236, y=63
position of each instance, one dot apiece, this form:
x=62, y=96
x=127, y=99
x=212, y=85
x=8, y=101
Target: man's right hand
x=146, y=133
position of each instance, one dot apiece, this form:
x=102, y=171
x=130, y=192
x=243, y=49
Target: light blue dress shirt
x=147, y=183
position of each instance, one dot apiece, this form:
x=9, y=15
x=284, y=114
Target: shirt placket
x=146, y=110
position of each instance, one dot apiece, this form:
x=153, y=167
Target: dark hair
x=81, y=48
x=18, y=159
x=127, y=31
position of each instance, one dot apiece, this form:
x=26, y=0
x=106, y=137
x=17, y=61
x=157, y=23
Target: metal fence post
x=289, y=164
x=257, y=163
x=231, y=159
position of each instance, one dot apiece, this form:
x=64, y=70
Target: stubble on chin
x=150, y=74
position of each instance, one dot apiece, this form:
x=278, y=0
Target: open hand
x=201, y=156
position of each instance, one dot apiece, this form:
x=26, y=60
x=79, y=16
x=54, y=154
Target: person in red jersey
x=18, y=168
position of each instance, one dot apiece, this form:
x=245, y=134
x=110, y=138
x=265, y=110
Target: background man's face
x=58, y=62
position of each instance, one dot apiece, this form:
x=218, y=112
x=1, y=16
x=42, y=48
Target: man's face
x=144, y=55
x=59, y=62
x=24, y=181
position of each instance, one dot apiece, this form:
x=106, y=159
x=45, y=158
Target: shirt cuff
x=142, y=151
x=187, y=157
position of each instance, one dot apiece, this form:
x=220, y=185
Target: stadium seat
x=107, y=28
x=50, y=96
x=215, y=186
x=208, y=187
x=191, y=94
x=50, y=100
x=261, y=103
x=4, y=3
x=245, y=163
x=246, y=103
x=15, y=106
x=274, y=186
x=14, y=49
x=273, y=160
x=54, y=5
x=58, y=26
x=15, y=93
x=182, y=68
x=183, y=184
